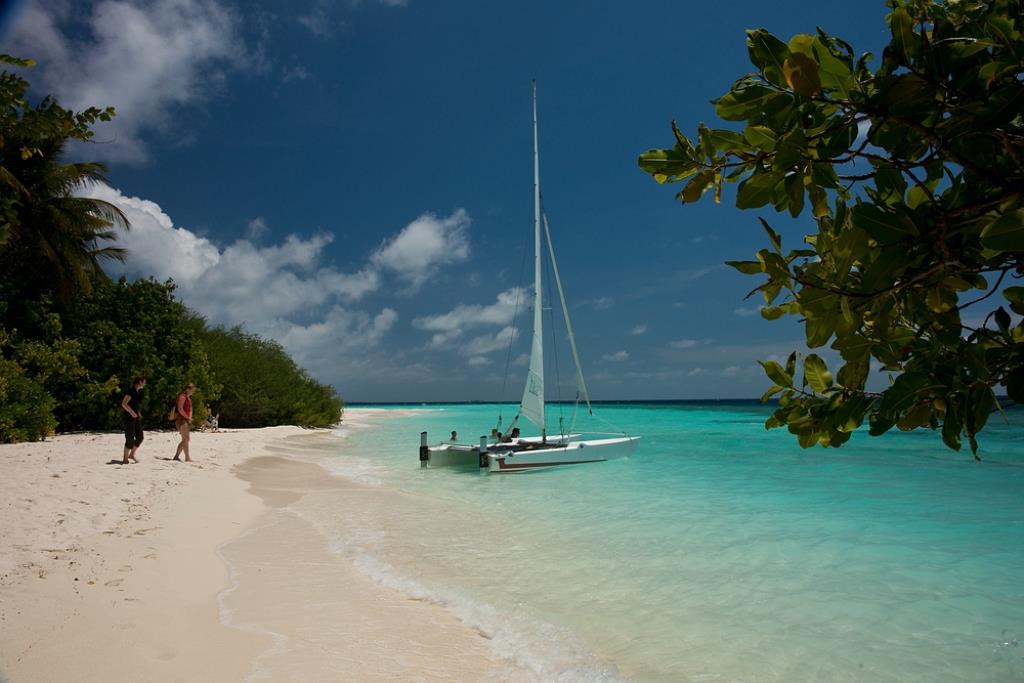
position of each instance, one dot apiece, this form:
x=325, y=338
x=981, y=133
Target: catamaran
x=505, y=450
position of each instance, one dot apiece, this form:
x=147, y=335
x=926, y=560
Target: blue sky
x=354, y=179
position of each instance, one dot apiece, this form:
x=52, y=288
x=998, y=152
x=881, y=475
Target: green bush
x=26, y=410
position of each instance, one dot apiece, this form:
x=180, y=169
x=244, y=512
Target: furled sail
x=532, y=405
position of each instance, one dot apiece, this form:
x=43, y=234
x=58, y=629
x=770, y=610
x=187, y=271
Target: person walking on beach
x=183, y=420
x=132, y=419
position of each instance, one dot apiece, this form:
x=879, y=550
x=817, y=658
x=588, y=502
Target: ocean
x=719, y=552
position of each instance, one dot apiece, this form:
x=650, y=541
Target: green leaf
x=773, y=236
x=668, y=164
x=880, y=424
x=802, y=74
x=918, y=416
x=951, y=427
x=768, y=54
x=776, y=373
x=761, y=137
x=727, y=140
x=819, y=201
x=1002, y=319
x=743, y=102
x=746, y=267
x=884, y=226
x=696, y=187
x=756, y=191
x=836, y=74
x=1014, y=294
x=818, y=331
x=816, y=374
x=795, y=193
x=908, y=95
x=1005, y=233
x=903, y=38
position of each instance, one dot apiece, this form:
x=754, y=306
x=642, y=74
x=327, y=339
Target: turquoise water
x=719, y=552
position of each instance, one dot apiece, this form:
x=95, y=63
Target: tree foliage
x=63, y=237
x=914, y=175
x=262, y=385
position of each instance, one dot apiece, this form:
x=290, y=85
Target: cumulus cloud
x=424, y=245
x=487, y=343
x=242, y=282
x=638, y=330
x=466, y=316
x=147, y=60
x=282, y=290
x=684, y=343
x=617, y=356
x=746, y=312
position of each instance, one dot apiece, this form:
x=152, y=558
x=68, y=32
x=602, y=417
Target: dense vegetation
x=71, y=340
x=914, y=175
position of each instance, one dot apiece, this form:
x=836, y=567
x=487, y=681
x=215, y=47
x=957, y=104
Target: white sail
x=532, y=405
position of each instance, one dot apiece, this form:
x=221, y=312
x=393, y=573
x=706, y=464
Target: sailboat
x=505, y=451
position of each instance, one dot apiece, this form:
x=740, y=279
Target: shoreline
x=149, y=571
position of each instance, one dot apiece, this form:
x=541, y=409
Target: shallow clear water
x=719, y=552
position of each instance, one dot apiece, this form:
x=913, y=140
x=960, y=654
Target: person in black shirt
x=132, y=419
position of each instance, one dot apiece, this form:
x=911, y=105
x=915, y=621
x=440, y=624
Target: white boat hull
x=573, y=453
x=451, y=455
x=527, y=454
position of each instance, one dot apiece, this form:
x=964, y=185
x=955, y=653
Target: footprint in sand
x=113, y=583
x=151, y=556
x=125, y=568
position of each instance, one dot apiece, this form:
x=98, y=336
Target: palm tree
x=50, y=238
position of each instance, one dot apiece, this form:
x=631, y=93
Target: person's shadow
x=117, y=462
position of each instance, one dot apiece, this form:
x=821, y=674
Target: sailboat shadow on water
x=507, y=451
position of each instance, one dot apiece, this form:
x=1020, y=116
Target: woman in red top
x=183, y=420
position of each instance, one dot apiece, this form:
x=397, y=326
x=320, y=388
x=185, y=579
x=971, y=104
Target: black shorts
x=132, y=432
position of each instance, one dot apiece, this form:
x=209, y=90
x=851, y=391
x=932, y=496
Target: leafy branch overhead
x=914, y=175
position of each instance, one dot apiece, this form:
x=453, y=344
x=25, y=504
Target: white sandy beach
x=166, y=571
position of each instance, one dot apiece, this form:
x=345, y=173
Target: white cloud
x=147, y=60
x=684, y=343
x=742, y=371
x=424, y=245
x=696, y=372
x=746, y=312
x=487, y=343
x=282, y=291
x=319, y=22
x=617, y=356
x=256, y=228
x=239, y=283
x=324, y=20
x=638, y=330
x=465, y=316
x=477, y=361
x=601, y=303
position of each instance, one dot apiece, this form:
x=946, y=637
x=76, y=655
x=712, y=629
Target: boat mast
x=532, y=405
